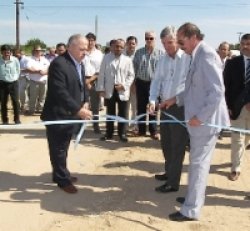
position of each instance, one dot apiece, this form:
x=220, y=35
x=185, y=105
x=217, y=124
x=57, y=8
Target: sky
x=54, y=21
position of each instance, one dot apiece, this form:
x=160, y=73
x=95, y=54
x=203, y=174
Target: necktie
x=248, y=71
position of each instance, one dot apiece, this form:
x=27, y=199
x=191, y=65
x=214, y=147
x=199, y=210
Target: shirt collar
x=195, y=50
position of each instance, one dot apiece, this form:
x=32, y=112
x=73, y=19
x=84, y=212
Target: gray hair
x=73, y=39
x=169, y=31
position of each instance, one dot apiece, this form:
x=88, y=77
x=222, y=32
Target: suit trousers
x=122, y=112
x=6, y=89
x=94, y=104
x=239, y=141
x=201, y=150
x=58, y=142
x=174, y=138
x=142, y=93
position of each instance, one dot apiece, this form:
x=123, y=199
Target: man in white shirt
x=92, y=63
x=169, y=81
x=38, y=69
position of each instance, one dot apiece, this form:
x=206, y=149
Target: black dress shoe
x=104, y=138
x=180, y=200
x=123, y=138
x=165, y=188
x=161, y=177
x=179, y=217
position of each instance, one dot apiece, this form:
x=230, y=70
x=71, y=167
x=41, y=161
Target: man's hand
x=84, y=113
x=168, y=103
x=119, y=87
x=151, y=108
x=194, y=121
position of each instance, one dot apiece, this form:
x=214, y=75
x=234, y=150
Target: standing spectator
x=224, y=53
x=94, y=59
x=51, y=55
x=204, y=103
x=115, y=79
x=9, y=74
x=66, y=100
x=38, y=68
x=169, y=81
x=237, y=80
x=24, y=80
x=60, y=48
x=145, y=61
x=131, y=43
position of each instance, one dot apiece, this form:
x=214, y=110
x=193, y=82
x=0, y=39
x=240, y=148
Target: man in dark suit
x=236, y=80
x=66, y=99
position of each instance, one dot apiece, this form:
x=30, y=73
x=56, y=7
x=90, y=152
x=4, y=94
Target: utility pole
x=240, y=33
x=18, y=3
x=96, y=26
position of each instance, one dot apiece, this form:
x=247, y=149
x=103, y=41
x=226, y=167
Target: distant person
x=23, y=80
x=93, y=61
x=37, y=67
x=168, y=82
x=237, y=80
x=114, y=82
x=204, y=103
x=224, y=52
x=9, y=74
x=145, y=61
x=51, y=55
x=60, y=48
x=131, y=43
x=66, y=99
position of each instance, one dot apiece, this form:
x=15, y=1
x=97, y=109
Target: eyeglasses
x=149, y=38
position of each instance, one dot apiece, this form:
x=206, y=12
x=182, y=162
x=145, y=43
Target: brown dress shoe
x=69, y=189
x=233, y=176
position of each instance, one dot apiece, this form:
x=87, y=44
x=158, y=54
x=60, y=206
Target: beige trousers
x=239, y=141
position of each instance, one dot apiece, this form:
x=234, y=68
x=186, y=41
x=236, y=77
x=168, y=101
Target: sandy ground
x=116, y=187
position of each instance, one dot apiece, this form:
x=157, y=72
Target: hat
x=5, y=47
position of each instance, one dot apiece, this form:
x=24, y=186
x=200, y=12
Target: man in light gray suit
x=204, y=103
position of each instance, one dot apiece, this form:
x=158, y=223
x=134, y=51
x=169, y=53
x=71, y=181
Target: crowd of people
x=189, y=81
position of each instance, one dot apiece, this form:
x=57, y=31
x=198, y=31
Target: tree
x=33, y=42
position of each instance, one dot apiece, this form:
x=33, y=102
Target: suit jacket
x=63, y=99
x=110, y=75
x=234, y=78
x=204, y=92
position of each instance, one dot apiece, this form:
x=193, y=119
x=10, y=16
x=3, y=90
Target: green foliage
x=31, y=43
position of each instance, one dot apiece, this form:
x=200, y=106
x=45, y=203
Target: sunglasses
x=149, y=38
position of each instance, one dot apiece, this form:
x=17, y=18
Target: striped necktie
x=248, y=71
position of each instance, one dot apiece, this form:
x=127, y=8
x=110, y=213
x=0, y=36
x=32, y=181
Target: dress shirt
x=169, y=78
x=145, y=63
x=9, y=69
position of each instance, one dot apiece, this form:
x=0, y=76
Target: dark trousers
x=122, y=112
x=142, y=93
x=94, y=104
x=9, y=89
x=58, y=142
x=174, y=138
